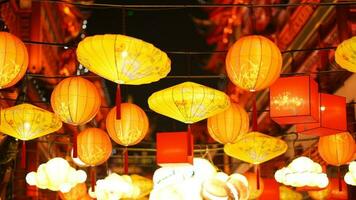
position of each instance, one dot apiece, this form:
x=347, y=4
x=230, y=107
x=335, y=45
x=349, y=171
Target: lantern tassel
x=257, y=177
x=126, y=161
x=23, y=155
x=118, y=102
x=339, y=178
x=254, y=114
x=75, y=144
x=92, y=178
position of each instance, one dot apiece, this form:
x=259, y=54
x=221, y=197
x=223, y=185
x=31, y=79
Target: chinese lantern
x=75, y=100
x=332, y=117
x=229, y=125
x=56, y=175
x=294, y=100
x=131, y=128
x=188, y=102
x=174, y=149
x=254, y=192
x=123, y=60
x=256, y=148
x=345, y=54
x=94, y=146
x=14, y=60
x=253, y=63
x=27, y=122
x=302, y=173
x=337, y=149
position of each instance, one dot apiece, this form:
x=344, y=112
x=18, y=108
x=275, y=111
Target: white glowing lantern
x=56, y=175
x=302, y=172
x=350, y=176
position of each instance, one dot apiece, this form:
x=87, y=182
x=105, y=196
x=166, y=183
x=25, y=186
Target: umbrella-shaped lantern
x=27, y=122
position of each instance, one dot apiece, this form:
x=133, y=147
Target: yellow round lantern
x=345, y=54
x=131, y=128
x=75, y=100
x=14, y=60
x=188, y=102
x=230, y=125
x=94, y=146
x=123, y=59
x=253, y=63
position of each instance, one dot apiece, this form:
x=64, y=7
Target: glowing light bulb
x=124, y=54
x=322, y=108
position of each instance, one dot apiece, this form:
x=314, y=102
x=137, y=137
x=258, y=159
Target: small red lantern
x=174, y=148
x=294, y=100
x=332, y=117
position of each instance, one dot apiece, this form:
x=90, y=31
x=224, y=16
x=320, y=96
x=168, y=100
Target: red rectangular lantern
x=174, y=148
x=332, y=117
x=294, y=100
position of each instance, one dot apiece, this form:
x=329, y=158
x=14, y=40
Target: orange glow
x=131, y=128
x=253, y=63
x=94, y=146
x=75, y=100
x=230, y=125
x=14, y=60
x=337, y=149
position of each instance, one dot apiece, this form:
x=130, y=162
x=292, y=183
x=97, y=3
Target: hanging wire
x=129, y=6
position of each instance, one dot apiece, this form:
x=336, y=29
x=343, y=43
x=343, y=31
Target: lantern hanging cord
x=128, y=6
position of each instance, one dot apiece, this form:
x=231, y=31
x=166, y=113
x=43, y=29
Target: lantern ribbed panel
x=131, y=128
x=345, y=54
x=13, y=59
x=256, y=148
x=253, y=63
x=188, y=102
x=27, y=122
x=337, y=149
x=75, y=100
x=230, y=125
x=123, y=59
x=94, y=146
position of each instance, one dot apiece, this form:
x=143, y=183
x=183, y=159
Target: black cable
x=181, y=52
x=128, y=6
